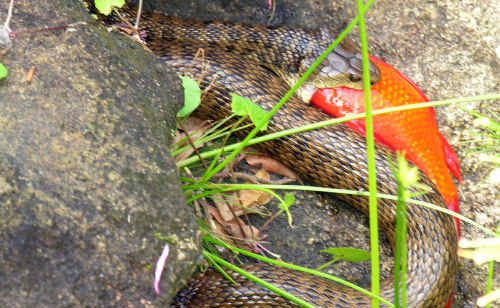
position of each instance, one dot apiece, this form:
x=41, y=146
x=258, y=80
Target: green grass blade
x=402, y=173
x=362, y=194
x=318, y=125
x=257, y=280
x=295, y=267
x=214, y=161
x=370, y=151
x=489, y=281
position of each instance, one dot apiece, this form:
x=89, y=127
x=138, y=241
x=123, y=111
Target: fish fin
x=451, y=159
x=358, y=126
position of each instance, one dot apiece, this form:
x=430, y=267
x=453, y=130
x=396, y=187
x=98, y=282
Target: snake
x=260, y=63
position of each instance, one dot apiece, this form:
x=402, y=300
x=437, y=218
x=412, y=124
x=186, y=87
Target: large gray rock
x=86, y=178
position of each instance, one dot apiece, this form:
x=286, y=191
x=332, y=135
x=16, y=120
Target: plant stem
x=138, y=15
x=327, y=264
x=489, y=281
x=400, y=251
x=370, y=151
x=256, y=279
x=214, y=161
x=9, y=16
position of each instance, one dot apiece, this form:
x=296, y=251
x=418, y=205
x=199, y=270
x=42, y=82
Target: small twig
x=209, y=87
x=265, y=250
x=251, y=178
x=30, y=74
x=196, y=203
x=238, y=221
x=138, y=16
x=5, y=31
x=204, y=206
x=130, y=30
x=191, y=143
x=270, y=220
x=9, y=16
x=200, y=56
x=54, y=28
x=272, y=7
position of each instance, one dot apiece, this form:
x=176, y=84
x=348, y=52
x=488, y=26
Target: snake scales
x=258, y=62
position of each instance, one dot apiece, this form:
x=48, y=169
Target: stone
x=86, y=177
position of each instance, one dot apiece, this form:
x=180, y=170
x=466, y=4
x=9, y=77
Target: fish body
x=414, y=133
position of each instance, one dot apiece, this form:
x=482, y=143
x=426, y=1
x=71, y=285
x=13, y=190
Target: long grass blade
x=318, y=125
x=228, y=187
x=257, y=280
x=370, y=151
x=296, y=267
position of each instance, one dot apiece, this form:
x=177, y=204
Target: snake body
x=258, y=62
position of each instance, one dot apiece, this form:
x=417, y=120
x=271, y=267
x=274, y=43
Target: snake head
x=344, y=68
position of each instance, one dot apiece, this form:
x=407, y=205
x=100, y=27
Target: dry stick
x=235, y=217
x=138, y=17
x=197, y=207
x=251, y=178
x=191, y=143
x=9, y=16
x=273, y=13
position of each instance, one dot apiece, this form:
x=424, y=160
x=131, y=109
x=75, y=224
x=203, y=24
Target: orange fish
x=414, y=133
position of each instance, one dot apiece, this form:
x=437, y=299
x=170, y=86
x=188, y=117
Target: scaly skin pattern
x=233, y=61
x=414, y=133
x=334, y=156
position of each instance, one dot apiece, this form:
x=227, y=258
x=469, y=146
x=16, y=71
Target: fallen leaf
x=262, y=174
x=252, y=198
x=234, y=229
x=223, y=207
x=241, y=230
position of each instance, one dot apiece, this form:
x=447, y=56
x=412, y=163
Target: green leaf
x=192, y=96
x=242, y=106
x=288, y=201
x=106, y=6
x=3, y=71
x=348, y=254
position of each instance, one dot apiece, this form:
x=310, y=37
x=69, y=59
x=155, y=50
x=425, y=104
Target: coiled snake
x=258, y=62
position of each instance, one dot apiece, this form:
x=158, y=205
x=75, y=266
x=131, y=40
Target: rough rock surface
x=86, y=178
x=449, y=48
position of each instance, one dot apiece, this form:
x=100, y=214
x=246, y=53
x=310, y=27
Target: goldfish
x=414, y=133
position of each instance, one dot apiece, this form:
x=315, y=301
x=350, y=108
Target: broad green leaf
x=289, y=200
x=106, y=6
x=348, y=254
x=192, y=96
x=3, y=71
x=242, y=106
